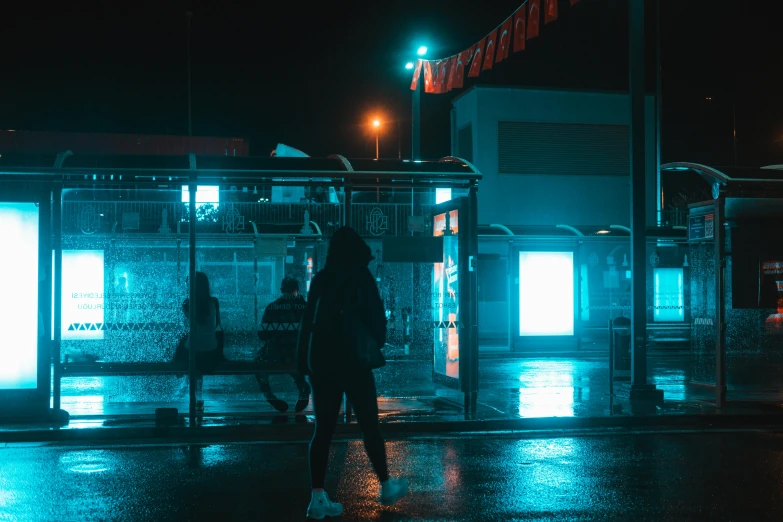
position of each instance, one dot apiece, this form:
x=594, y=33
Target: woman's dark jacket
x=346, y=276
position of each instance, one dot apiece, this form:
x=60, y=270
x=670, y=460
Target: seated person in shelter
x=279, y=331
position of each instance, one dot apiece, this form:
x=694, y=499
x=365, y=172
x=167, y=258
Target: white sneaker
x=321, y=507
x=393, y=490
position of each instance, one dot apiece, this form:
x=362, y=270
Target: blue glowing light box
x=669, y=297
x=442, y=195
x=205, y=194
x=546, y=294
x=19, y=305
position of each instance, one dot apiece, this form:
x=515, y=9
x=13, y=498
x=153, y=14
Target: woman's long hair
x=203, y=298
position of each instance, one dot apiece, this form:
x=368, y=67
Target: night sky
x=311, y=74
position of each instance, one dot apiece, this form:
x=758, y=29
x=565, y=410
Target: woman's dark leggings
x=327, y=396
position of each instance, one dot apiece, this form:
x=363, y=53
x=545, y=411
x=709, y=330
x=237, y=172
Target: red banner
x=416, y=75
x=504, y=40
x=478, y=54
x=550, y=11
x=533, y=18
x=441, y=76
x=520, y=29
x=428, y=87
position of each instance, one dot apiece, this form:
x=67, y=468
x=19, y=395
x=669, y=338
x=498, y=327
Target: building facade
x=552, y=156
x=554, y=214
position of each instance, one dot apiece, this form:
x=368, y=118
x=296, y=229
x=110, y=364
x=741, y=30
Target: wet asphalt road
x=729, y=476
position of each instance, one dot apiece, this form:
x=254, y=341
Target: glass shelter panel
x=603, y=291
x=754, y=336
x=420, y=293
x=124, y=280
x=703, y=312
x=126, y=290
x=259, y=251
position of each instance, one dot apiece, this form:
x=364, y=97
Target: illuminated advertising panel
x=445, y=296
x=83, y=295
x=546, y=294
x=669, y=295
x=19, y=302
x=205, y=195
x=771, y=293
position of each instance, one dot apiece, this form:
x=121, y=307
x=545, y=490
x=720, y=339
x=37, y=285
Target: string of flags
x=442, y=76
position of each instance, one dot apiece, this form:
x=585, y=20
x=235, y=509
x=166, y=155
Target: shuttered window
x=465, y=143
x=563, y=148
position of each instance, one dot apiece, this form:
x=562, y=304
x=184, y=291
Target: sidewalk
x=516, y=394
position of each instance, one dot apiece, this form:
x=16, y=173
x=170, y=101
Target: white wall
x=550, y=199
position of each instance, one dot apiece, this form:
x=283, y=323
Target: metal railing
x=673, y=218
x=91, y=217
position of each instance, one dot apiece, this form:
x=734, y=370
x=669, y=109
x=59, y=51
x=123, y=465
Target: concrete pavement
x=717, y=476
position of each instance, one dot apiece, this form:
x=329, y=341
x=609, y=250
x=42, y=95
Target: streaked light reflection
x=85, y=461
x=548, y=390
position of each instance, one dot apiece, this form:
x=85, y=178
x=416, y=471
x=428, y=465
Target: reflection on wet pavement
x=510, y=388
x=718, y=476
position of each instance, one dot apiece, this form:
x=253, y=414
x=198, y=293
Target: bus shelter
x=100, y=250
x=736, y=260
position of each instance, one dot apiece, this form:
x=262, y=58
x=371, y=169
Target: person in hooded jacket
x=333, y=370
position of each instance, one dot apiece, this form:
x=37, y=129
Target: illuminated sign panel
x=546, y=294
x=442, y=195
x=669, y=295
x=205, y=195
x=83, y=295
x=770, y=292
x=19, y=303
x=445, y=296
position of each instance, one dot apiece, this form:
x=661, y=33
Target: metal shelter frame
x=36, y=174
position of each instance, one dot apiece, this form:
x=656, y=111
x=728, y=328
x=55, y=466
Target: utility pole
x=638, y=391
x=658, y=111
x=189, y=15
x=734, y=126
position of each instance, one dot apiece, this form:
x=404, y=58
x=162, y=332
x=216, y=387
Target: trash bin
x=621, y=328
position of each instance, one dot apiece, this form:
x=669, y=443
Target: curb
x=550, y=426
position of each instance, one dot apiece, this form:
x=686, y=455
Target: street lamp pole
x=399, y=141
x=377, y=125
x=416, y=108
x=416, y=117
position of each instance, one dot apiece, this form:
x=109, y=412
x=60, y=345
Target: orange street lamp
x=377, y=125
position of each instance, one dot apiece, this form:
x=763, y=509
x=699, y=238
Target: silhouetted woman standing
x=334, y=369
x=204, y=336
